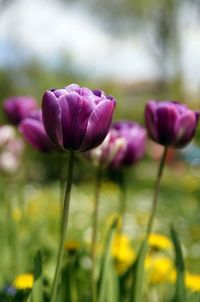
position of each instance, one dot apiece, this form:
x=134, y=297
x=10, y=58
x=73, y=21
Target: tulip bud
x=77, y=118
x=34, y=133
x=170, y=123
x=18, y=108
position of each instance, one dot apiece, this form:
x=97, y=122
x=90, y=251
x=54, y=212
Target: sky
x=47, y=30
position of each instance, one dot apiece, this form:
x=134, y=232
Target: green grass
x=35, y=220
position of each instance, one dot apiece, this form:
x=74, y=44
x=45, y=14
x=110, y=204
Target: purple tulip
x=135, y=137
x=170, y=123
x=34, y=133
x=18, y=108
x=77, y=118
x=110, y=152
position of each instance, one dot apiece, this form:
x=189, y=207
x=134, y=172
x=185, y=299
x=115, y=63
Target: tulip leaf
x=28, y=298
x=104, y=291
x=64, y=291
x=68, y=287
x=38, y=265
x=138, y=276
x=37, y=291
x=112, y=284
x=180, y=292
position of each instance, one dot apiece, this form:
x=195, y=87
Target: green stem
x=155, y=197
x=63, y=228
x=106, y=263
x=11, y=229
x=94, y=231
x=122, y=199
x=63, y=176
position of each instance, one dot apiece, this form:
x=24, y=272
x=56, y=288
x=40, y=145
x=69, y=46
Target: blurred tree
x=157, y=20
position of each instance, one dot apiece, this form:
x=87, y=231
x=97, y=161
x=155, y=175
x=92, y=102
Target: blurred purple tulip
x=123, y=146
x=18, y=108
x=135, y=137
x=110, y=152
x=170, y=123
x=77, y=118
x=34, y=133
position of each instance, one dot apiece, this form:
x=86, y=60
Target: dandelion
x=160, y=269
x=160, y=242
x=72, y=246
x=24, y=281
x=192, y=281
x=122, y=252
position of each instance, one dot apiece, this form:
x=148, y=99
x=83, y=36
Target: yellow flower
x=192, y=281
x=159, y=241
x=72, y=246
x=122, y=252
x=160, y=269
x=17, y=214
x=24, y=281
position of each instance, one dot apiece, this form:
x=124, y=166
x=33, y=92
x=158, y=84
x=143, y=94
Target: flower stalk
x=122, y=198
x=64, y=223
x=157, y=187
x=94, y=230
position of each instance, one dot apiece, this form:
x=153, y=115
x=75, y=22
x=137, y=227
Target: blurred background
x=134, y=49
x=137, y=49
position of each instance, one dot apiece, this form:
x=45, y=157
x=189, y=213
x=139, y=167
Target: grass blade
x=138, y=275
x=180, y=292
x=37, y=291
x=106, y=266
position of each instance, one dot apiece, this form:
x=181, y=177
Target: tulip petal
x=76, y=111
x=73, y=87
x=151, y=119
x=185, y=128
x=59, y=92
x=166, y=120
x=98, y=125
x=18, y=108
x=84, y=91
x=135, y=148
x=97, y=92
x=52, y=118
x=36, y=115
x=34, y=133
x=135, y=137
